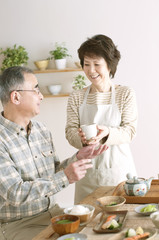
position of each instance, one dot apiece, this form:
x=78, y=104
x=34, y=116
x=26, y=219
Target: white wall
x=133, y=26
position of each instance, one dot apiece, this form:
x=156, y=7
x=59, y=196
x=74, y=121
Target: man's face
x=31, y=97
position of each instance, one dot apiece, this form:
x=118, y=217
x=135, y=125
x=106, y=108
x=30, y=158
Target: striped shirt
x=126, y=101
x=30, y=171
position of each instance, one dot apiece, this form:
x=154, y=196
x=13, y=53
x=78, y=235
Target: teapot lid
x=133, y=179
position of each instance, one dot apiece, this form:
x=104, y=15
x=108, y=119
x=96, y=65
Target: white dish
x=138, y=209
x=121, y=235
x=84, y=217
x=155, y=218
x=121, y=216
x=77, y=236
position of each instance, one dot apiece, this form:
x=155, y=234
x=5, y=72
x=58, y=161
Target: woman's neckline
x=94, y=90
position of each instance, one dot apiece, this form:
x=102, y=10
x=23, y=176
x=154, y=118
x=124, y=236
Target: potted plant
x=79, y=82
x=59, y=54
x=15, y=56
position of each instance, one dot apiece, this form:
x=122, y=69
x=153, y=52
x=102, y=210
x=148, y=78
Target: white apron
x=111, y=167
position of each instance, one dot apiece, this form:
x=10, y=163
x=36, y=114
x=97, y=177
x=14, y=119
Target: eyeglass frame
x=36, y=90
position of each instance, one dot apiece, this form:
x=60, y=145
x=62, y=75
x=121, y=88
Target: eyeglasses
x=36, y=90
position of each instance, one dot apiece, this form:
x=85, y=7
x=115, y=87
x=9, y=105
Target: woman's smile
x=95, y=69
x=94, y=77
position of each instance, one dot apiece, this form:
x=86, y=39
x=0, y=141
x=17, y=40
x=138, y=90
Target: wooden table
x=91, y=199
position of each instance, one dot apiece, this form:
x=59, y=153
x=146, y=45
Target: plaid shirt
x=30, y=171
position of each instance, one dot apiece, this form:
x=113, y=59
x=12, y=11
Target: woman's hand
x=103, y=131
x=83, y=137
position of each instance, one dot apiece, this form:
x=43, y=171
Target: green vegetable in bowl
x=112, y=204
x=72, y=238
x=149, y=208
x=64, y=221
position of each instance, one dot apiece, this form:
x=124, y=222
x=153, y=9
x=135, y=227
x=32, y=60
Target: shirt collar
x=13, y=127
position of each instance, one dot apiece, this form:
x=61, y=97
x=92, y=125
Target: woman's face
x=96, y=69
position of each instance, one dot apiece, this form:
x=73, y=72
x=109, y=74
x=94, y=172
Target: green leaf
x=79, y=82
x=59, y=52
x=14, y=56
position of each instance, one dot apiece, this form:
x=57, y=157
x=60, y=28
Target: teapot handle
x=118, y=189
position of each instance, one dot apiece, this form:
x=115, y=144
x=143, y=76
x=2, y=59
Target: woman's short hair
x=101, y=46
x=11, y=79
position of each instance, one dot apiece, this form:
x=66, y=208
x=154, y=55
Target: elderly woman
x=112, y=107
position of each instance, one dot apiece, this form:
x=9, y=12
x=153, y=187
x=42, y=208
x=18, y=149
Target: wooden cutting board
x=152, y=195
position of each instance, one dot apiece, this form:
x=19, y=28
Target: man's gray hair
x=11, y=79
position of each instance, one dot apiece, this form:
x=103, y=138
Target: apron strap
x=113, y=94
x=86, y=94
x=84, y=102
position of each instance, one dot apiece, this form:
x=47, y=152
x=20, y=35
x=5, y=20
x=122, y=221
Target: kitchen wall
x=133, y=26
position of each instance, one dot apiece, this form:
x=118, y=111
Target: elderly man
x=30, y=171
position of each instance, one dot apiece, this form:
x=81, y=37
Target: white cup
x=89, y=130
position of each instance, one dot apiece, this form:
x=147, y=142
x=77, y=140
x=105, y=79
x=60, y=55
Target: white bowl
x=75, y=236
x=54, y=89
x=155, y=218
x=84, y=217
x=138, y=209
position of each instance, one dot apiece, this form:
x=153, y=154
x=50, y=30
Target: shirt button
x=35, y=156
x=63, y=186
x=3, y=231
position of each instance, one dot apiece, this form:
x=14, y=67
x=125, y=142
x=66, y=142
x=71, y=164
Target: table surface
x=132, y=217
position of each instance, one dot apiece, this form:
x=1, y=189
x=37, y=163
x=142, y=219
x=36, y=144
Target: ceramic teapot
x=137, y=186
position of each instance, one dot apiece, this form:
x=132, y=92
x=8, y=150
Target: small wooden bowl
x=105, y=203
x=42, y=65
x=65, y=228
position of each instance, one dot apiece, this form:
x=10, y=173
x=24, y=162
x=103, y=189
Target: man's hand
x=77, y=170
x=91, y=151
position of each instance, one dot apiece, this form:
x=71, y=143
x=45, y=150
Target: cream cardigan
x=126, y=102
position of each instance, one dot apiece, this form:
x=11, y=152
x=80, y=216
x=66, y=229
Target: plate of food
x=138, y=232
x=73, y=236
x=146, y=209
x=111, y=222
